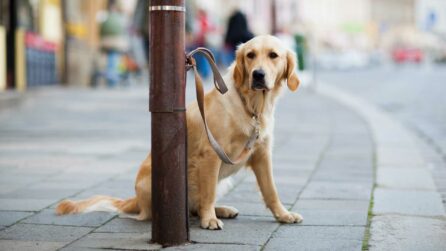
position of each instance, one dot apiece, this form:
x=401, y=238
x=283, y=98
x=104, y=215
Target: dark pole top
x=167, y=5
x=167, y=54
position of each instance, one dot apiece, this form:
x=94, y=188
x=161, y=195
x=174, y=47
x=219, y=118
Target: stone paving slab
x=118, y=192
x=21, y=245
x=337, y=190
x=316, y=238
x=333, y=212
x=342, y=175
x=126, y=241
x=410, y=202
x=120, y=225
x=287, y=172
x=242, y=230
x=71, y=248
x=12, y=182
x=347, y=164
x=286, y=181
x=7, y=188
x=25, y=204
x=405, y=178
x=8, y=218
x=49, y=217
x=216, y=247
x=250, y=208
x=332, y=218
x=287, y=244
x=32, y=232
x=52, y=184
x=249, y=192
x=395, y=232
x=392, y=157
x=235, y=196
x=357, y=157
x=335, y=205
x=39, y=193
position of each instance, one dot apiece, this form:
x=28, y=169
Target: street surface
x=77, y=143
x=74, y=143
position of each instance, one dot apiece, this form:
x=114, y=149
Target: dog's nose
x=258, y=75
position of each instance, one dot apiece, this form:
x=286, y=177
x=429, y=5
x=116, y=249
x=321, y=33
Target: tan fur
x=229, y=119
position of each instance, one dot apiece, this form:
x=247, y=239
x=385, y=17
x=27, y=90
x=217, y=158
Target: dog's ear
x=239, y=68
x=291, y=76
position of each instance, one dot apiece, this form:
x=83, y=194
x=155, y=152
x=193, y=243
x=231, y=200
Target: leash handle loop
x=218, y=80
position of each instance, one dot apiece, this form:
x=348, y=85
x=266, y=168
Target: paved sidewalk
x=408, y=212
x=76, y=143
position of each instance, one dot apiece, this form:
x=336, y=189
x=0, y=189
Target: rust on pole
x=170, y=224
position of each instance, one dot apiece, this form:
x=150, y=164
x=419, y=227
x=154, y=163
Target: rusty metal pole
x=170, y=224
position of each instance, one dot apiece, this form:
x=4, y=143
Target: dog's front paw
x=290, y=217
x=212, y=224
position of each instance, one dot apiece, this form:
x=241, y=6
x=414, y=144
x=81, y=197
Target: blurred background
x=104, y=42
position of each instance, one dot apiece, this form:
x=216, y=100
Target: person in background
x=204, y=26
x=237, y=32
x=140, y=26
x=114, y=42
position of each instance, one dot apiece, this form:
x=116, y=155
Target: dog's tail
x=98, y=203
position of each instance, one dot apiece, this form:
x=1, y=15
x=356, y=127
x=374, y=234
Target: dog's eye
x=251, y=55
x=273, y=55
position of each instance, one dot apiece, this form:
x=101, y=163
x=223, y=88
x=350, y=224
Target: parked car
x=402, y=55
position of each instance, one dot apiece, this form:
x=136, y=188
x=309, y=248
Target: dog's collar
x=254, y=116
x=256, y=132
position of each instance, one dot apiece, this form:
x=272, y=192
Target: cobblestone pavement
x=68, y=143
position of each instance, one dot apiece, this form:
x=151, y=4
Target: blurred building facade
x=32, y=37
x=45, y=42
x=341, y=24
x=57, y=41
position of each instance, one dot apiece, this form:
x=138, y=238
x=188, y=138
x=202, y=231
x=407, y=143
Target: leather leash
x=222, y=88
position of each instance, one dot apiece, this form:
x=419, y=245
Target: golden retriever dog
x=261, y=69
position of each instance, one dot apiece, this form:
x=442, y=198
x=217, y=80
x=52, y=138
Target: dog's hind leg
x=143, y=187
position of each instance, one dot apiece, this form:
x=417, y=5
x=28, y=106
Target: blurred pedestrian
x=114, y=42
x=204, y=27
x=140, y=33
x=237, y=32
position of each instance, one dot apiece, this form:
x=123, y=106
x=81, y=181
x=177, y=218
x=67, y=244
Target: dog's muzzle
x=258, y=80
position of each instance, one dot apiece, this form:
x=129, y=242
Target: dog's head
x=263, y=63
